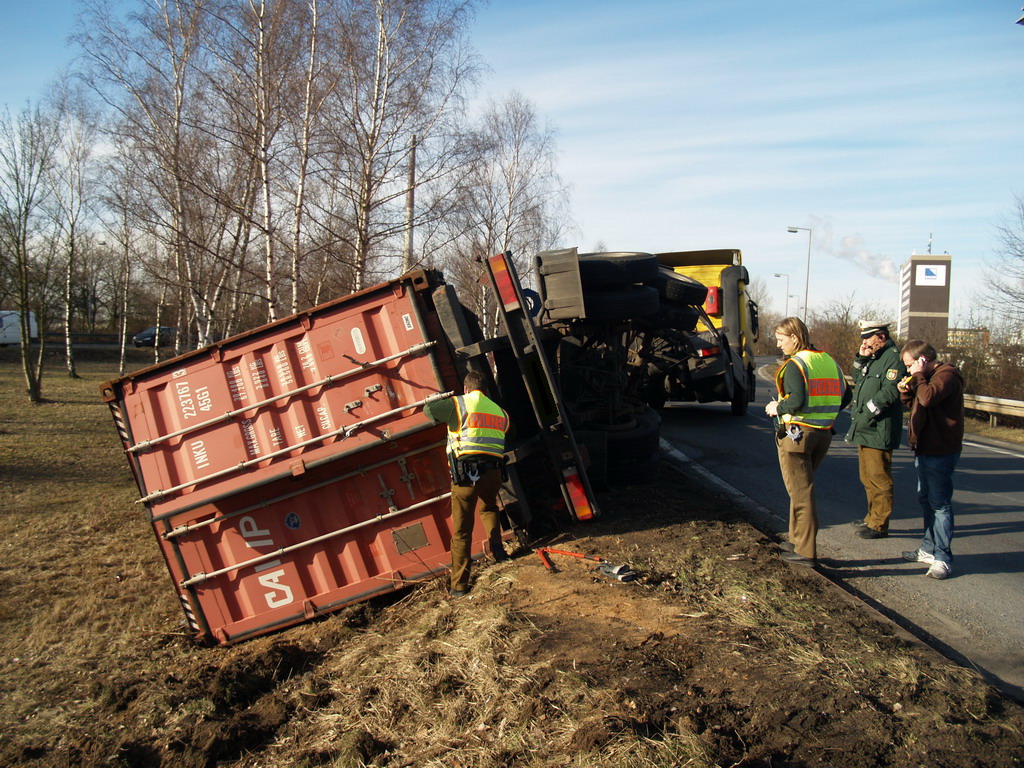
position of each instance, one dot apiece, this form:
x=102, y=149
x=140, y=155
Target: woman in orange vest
x=812, y=391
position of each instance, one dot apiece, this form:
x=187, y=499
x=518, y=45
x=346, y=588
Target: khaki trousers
x=798, y=461
x=876, y=477
x=464, y=502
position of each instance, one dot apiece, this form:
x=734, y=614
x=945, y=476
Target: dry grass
x=78, y=560
x=981, y=428
x=445, y=684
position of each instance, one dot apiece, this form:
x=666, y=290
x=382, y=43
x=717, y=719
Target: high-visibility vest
x=824, y=382
x=481, y=429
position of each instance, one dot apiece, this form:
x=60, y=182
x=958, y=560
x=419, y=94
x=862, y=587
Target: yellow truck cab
x=734, y=317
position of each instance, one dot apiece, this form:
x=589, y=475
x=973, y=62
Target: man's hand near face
x=871, y=345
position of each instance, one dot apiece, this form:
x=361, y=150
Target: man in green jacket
x=876, y=423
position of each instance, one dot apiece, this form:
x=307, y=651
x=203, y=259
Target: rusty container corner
x=290, y=470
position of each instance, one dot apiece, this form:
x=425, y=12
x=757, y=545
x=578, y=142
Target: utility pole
x=410, y=207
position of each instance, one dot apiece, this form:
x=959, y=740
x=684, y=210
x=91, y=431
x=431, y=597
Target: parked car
x=148, y=337
x=10, y=327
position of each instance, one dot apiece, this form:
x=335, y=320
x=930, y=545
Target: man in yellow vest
x=812, y=391
x=476, y=449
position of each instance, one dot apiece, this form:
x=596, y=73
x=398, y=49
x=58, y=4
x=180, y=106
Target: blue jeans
x=935, y=495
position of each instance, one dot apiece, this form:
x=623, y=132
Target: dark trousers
x=465, y=498
x=876, y=477
x=798, y=461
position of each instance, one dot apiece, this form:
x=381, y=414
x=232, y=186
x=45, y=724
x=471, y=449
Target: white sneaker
x=940, y=570
x=919, y=556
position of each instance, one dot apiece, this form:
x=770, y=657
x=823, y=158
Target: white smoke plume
x=851, y=248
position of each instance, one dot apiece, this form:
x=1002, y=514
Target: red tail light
x=713, y=303
x=502, y=278
x=709, y=351
x=580, y=503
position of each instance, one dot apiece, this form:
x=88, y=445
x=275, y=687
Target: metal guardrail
x=84, y=337
x=994, y=407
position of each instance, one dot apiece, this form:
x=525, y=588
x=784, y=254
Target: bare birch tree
x=406, y=68
x=317, y=87
x=1004, y=279
x=268, y=136
x=513, y=199
x=145, y=69
x=71, y=184
x=28, y=142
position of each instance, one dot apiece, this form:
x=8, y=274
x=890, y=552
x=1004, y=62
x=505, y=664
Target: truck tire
x=621, y=303
x=640, y=440
x=678, y=317
x=740, y=400
x=635, y=471
x=655, y=392
x=742, y=394
x=599, y=270
x=633, y=453
x=682, y=289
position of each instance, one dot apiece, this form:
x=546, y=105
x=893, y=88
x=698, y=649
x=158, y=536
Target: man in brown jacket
x=934, y=393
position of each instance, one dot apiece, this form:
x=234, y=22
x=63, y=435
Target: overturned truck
x=290, y=470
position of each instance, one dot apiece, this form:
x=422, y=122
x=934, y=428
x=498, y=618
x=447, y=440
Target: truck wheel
x=620, y=304
x=655, y=391
x=636, y=471
x=616, y=268
x=632, y=454
x=637, y=442
x=678, y=317
x=633, y=457
x=740, y=400
x=680, y=288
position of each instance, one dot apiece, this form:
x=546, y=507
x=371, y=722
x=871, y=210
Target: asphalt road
x=977, y=615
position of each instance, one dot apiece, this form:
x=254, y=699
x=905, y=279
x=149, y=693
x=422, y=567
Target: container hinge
x=308, y=609
x=298, y=467
x=180, y=530
x=407, y=477
x=375, y=388
x=349, y=407
x=199, y=578
x=360, y=363
x=386, y=493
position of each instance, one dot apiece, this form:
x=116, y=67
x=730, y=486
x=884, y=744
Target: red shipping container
x=290, y=470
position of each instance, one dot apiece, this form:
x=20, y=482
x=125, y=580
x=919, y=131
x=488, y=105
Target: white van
x=10, y=327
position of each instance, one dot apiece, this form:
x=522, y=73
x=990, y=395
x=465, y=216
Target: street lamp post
x=782, y=274
x=807, y=274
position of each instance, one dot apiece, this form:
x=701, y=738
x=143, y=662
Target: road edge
x=764, y=520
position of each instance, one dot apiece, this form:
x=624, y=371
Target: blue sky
x=691, y=124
